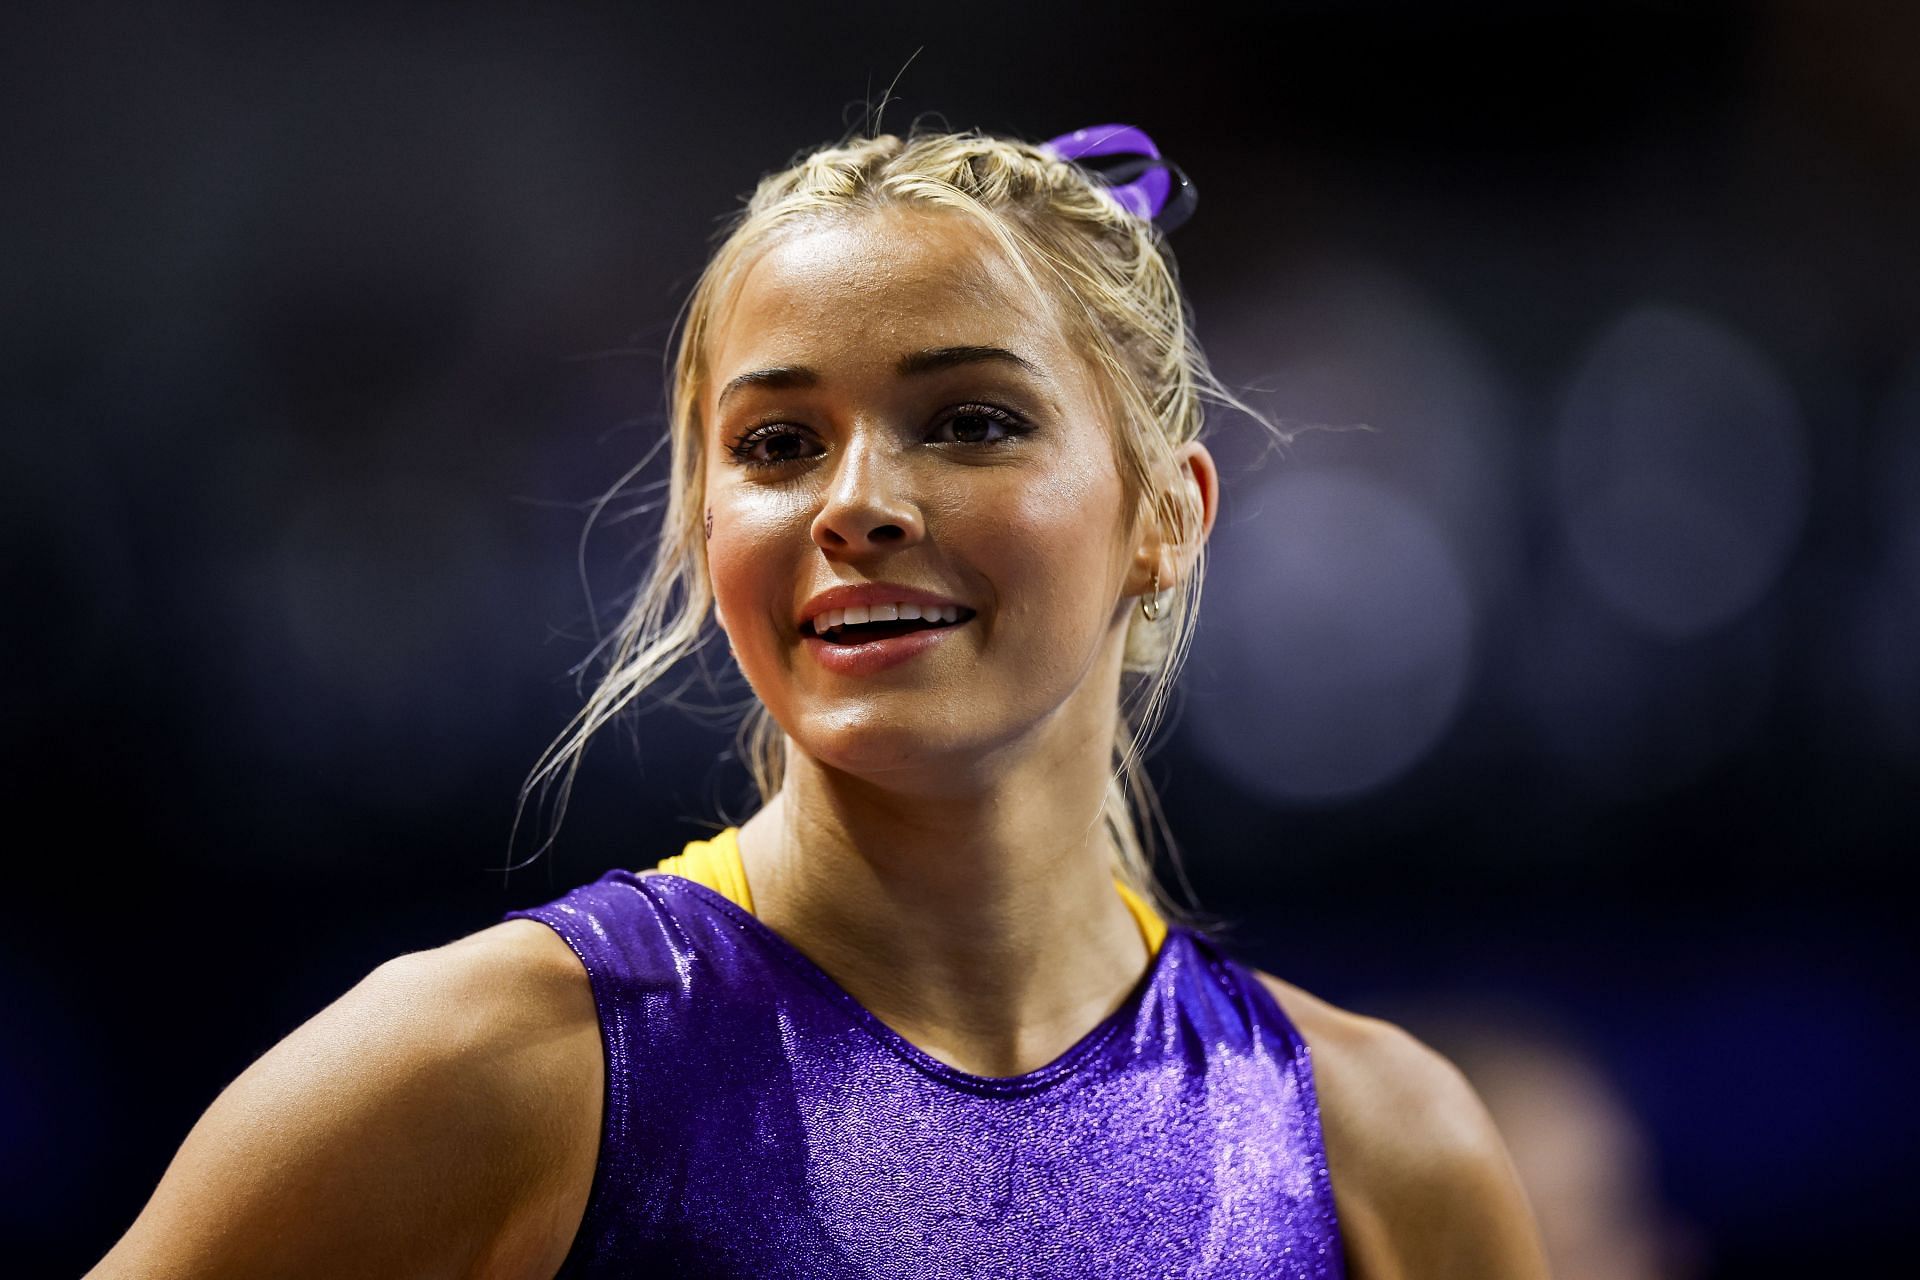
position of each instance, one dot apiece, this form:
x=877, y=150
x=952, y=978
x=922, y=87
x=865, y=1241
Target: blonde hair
x=1120, y=292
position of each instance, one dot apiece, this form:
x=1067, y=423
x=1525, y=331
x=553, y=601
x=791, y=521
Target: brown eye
x=771, y=446
x=972, y=428
x=979, y=424
x=782, y=448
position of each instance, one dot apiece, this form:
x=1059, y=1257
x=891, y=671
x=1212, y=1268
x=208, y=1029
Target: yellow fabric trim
x=716, y=864
x=1153, y=930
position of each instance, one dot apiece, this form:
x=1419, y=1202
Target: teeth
x=855, y=615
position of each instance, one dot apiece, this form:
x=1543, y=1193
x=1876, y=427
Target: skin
x=936, y=847
x=936, y=843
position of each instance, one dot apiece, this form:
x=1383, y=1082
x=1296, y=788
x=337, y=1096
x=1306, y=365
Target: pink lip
x=869, y=593
x=870, y=656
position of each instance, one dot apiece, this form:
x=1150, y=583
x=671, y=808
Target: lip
x=870, y=593
x=871, y=656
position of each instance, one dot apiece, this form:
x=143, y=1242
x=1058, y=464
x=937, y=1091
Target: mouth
x=872, y=647
x=835, y=627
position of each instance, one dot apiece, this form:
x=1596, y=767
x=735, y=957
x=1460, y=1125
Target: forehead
x=873, y=284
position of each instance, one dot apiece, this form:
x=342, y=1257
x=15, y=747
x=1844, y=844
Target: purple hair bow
x=1138, y=178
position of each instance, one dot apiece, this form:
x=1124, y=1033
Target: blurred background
x=1569, y=713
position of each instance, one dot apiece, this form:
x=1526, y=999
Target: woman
x=936, y=474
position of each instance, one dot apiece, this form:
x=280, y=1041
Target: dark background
x=1586, y=678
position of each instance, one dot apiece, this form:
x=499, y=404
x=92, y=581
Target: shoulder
x=527, y=1036
x=508, y=1010
x=1422, y=1181
x=440, y=1118
x=524, y=974
x=1375, y=1080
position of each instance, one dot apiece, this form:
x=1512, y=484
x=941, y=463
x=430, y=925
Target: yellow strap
x=1153, y=930
x=716, y=864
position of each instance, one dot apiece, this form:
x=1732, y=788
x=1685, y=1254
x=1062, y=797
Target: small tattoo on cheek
x=709, y=524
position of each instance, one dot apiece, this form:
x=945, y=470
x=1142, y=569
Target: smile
x=877, y=643
x=860, y=624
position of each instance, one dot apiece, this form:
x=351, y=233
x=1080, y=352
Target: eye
x=979, y=424
x=772, y=445
x=779, y=444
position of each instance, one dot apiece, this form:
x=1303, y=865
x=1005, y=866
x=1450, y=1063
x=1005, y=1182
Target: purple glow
x=1346, y=344
x=1335, y=642
x=1681, y=471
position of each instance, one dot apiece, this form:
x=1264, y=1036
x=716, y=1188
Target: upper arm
x=1422, y=1180
x=425, y=1124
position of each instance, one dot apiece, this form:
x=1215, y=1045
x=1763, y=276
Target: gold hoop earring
x=1150, y=603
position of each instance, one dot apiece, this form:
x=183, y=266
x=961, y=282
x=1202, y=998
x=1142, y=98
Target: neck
x=979, y=921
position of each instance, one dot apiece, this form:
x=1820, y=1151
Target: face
x=890, y=409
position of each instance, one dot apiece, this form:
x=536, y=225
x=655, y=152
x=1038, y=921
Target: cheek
x=753, y=540
x=1058, y=548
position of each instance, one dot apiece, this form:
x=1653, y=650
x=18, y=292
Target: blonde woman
x=937, y=478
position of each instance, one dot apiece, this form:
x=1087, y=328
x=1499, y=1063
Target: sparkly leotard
x=761, y=1123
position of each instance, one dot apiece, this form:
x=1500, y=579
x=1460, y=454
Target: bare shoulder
x=439, y=1119
x=1422, y=1181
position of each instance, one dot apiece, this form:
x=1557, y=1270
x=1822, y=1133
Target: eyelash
x=1010, y=423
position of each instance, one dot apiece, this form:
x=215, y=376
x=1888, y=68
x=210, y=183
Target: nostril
x=887, y=533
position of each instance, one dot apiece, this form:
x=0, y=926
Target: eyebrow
x=782, y=377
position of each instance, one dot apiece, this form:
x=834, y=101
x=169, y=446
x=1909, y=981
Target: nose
x=868, y=504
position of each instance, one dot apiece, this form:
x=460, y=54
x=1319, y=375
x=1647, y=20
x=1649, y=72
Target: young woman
x=937, y=479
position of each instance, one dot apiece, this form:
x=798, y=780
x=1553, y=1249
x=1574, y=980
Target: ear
x=1182, y=516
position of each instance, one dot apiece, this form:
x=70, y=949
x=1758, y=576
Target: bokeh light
x=1588, y=668
x=1343, y=344
x=1681, y=471
x=1335, y=642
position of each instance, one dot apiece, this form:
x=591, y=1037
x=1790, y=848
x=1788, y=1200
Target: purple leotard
x=760, y=1122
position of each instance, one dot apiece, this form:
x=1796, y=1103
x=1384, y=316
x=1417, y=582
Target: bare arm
x=426, y=1124
x=1422, y=1182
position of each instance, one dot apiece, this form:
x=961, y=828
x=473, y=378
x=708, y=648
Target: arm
x=429, y=1123
x=1422, y=1181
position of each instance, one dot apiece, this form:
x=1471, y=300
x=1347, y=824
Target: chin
x=870, y=743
